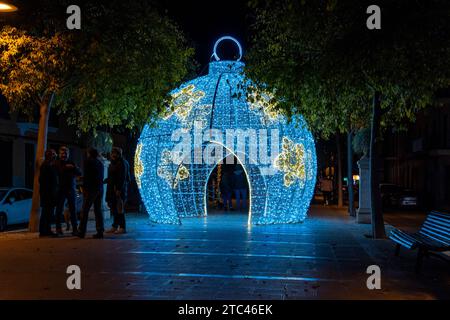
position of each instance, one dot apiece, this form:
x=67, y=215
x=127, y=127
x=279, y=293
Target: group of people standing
x=58, y=186
x=234, y=181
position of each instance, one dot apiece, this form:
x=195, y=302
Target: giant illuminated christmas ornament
x=219, y=116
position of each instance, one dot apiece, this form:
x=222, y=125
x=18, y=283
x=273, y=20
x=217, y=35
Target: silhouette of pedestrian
x=326, y=186
x=226, y=189
x=92, y=193
x=48, y=190
x=67, y=171
x=117, y=189
x=240, y=188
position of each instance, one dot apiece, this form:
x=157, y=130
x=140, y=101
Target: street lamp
x=6, y=7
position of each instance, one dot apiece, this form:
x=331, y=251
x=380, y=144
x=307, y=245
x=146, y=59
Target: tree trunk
x=378, y=231
x=44, y=112
x=351, y=201
x=339, y=170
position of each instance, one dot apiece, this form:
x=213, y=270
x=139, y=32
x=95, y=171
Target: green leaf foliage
x=130, y=58
x=326, y=64
x=32, y=67
x=116, y=71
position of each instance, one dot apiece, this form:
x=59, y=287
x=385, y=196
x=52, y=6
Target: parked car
x=389, y=195
x=408, y=199
x=396, y=197
x=15, y=206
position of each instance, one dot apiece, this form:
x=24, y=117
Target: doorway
x=227, y=189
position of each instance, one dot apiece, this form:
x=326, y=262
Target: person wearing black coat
x=117, y=189
x=92, y=193
x=240, y=188
x=48, y=190
x=226, y=189
x=67, y=172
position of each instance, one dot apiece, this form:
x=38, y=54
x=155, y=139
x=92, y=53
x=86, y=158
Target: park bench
x=432, y=238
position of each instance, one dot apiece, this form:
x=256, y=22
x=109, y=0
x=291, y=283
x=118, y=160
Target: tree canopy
x=130, y=58
x=326, y=64
x=115, y=71
x=321, y=61
x=32, y=67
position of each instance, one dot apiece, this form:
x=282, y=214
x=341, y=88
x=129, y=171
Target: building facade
x=18, y=138
x=419, y=158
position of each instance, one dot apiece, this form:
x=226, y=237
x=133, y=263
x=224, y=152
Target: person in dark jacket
x=92, y=193
x=240, y=188
x=117, y=189
x=67, y=171
x=226, y=189
x=48, y=190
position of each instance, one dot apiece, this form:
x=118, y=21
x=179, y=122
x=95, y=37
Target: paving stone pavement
x=218, y=257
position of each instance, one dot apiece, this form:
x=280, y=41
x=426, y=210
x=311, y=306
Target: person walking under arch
x=240, y=188
x=226, y=189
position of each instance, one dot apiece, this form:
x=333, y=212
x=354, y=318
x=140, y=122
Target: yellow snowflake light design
x=164, y=170
x=138, y=165
x=182, y=174
x=263, y=101
x=197, y=118
x=182, y=102
x=291, y=161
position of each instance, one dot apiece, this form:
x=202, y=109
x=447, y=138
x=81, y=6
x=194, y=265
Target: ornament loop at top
x=227, y=38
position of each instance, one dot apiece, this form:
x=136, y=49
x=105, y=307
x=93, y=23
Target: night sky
x=203, y=22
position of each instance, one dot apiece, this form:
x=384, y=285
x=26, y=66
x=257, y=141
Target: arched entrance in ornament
x=190, y=196
x=256, y=194
x=227, y=182
x=227, y=189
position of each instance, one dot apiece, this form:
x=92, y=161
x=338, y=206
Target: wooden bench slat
x=430, y=243
x=403, y=238
x=432, y=224
x=435, y=229
x=438, y=222
x=434, y=235
x=441, y=214
x=436, y=241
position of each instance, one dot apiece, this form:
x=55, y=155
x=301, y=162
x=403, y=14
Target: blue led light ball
x=215, y=116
